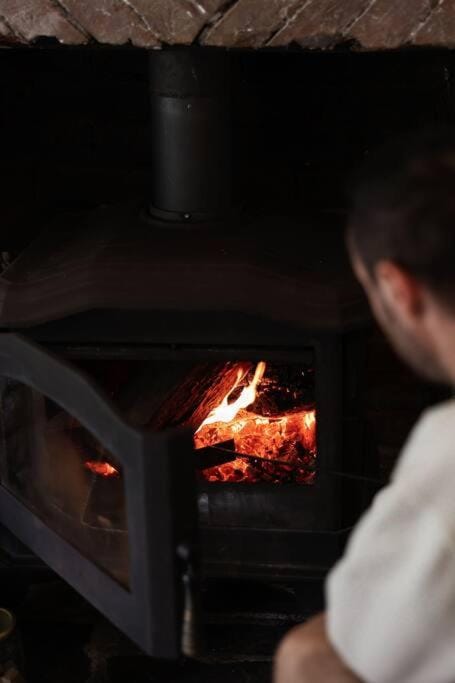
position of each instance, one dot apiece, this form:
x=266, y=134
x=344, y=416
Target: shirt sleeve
x=391, y=599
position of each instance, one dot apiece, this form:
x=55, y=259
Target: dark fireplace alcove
x=136, y=299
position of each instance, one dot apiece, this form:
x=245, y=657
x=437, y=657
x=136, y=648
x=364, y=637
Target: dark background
x=74, y=126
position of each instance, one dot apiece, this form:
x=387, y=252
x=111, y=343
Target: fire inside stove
x=102, y=469
x=252, y=422
x=263, y=428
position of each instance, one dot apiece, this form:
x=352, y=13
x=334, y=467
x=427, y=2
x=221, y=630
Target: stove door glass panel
x=60, y=471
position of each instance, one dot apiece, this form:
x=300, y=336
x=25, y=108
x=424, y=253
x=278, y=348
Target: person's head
x=401, y=237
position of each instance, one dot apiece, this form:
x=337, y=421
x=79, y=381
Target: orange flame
x=103, y=469
x=226, y=412
x=310, y=420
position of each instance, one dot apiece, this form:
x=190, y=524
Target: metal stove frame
x=160, y=498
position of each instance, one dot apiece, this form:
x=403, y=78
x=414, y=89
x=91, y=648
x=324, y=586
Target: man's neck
x=443, y=336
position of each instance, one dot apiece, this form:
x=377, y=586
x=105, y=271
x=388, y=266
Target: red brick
x=251, y=23
x=111, y=21
x=32, y=19
x=320, y=23
x=390, y=24
x=177, y=21
x=7, y=36
x=439, y=29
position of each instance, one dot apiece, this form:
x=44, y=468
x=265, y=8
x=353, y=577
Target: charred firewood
x=182, y=395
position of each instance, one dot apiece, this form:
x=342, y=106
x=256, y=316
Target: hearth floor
x=66, y=641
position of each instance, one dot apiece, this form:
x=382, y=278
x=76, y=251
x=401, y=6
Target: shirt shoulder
x=389, y=600
x=395, y=583
x=436, y=428
x=425, y=471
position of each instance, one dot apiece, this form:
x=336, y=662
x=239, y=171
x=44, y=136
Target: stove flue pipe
x=191, y=145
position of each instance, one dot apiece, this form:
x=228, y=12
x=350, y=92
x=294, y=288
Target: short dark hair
x=403, y=209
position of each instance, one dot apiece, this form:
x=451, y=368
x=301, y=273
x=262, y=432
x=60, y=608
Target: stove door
x=110, y=508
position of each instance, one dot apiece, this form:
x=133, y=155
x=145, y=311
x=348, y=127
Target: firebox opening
x=265, y=425
x=254, y=420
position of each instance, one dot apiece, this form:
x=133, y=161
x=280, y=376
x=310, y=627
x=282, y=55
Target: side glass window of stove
x=62, y=472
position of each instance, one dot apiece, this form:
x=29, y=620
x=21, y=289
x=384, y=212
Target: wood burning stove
x=101, y=410
x=179, y=386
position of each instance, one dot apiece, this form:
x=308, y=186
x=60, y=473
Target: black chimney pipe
x=191, y=145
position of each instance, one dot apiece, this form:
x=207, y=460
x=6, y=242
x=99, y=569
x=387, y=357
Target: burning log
x=250, y=469
x=185, y=398
x=214, y=456
x=265, y=412
x=279, y=448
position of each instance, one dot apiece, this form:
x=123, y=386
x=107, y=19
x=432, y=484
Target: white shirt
x=391, y=599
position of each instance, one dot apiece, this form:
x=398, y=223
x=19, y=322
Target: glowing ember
x=103, y=469
x=289, y=438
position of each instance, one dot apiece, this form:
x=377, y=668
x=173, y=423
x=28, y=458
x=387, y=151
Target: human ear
x=399, y=290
